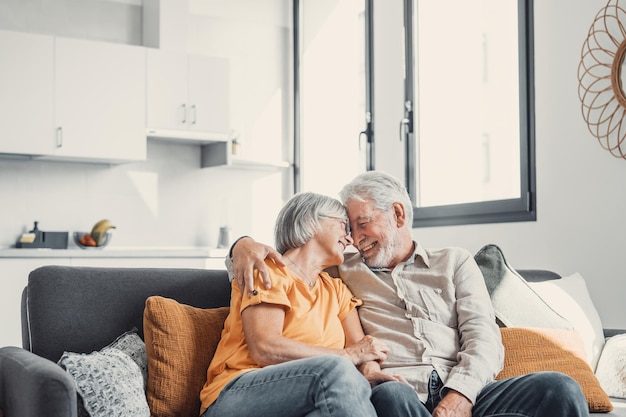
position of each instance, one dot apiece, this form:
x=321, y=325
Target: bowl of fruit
x=98, y=238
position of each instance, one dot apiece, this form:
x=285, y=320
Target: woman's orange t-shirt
x=312, y=316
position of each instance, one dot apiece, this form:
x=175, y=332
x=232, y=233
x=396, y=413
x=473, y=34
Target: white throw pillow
x=611, y=370
x=570, y=298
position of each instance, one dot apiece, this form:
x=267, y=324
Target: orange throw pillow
x=528, y=350
x=180, y=343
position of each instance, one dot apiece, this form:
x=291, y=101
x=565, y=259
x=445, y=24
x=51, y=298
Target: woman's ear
x=399, y=213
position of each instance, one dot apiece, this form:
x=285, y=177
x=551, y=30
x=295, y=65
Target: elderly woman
x=306, y=327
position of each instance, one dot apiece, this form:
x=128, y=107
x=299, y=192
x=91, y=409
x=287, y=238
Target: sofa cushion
x=611, y=370
x=180, y=342
x=514, y=302
x=528, y=350
x=570, y=298
x=110, y=381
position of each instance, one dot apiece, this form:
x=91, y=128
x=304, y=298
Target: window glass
x=331, y=99
x=469, y=103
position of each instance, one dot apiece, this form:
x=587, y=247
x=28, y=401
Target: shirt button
x=438, y=290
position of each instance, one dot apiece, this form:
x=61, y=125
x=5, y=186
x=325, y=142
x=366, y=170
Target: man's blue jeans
x=542, y=394
x=318, y=386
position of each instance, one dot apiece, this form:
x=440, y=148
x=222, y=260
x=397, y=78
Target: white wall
x=581, y=197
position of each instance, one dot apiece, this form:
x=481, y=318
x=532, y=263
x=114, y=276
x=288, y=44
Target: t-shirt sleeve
x=275, y=295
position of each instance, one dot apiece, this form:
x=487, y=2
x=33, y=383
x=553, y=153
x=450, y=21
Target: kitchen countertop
x=116, y=252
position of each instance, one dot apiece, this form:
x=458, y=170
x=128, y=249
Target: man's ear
x=399, y=212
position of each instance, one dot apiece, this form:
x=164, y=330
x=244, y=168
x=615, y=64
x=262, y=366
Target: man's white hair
x=381, y=189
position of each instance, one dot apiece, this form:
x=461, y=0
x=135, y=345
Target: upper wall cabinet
x=27, y=93
x=187, y=97
x=100, y=100
x=70, y=99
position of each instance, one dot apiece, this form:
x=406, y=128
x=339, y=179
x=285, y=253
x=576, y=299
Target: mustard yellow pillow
x=180, y=343
x=528, y=350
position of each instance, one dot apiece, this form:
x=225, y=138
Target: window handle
x=405, y=124
x=404, y=127
x=367, y=133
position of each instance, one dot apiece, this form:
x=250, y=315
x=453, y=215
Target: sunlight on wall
x=263, y=139
x=266, y=203
x=147, y=186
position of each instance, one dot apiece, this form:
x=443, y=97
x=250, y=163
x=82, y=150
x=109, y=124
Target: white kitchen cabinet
x=99, y=101
x=72, y=99
x=187, y=97
x=152, y=262
x=27, y=93
x=14, y=279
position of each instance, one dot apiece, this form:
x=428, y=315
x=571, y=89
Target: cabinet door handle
x=194, y=112
x=60, y=137
x=184, y=106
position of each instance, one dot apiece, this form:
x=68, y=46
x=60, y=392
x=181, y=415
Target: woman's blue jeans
x=318, y=386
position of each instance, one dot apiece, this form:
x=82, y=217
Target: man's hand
x=249, y=255
x=454, y=404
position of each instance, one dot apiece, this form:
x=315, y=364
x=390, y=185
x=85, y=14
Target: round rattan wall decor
x=600, y=78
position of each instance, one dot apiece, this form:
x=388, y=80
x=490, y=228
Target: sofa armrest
x=613, y=332
x=33, y=386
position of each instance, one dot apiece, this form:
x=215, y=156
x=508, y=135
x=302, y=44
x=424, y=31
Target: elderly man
x=432, y=309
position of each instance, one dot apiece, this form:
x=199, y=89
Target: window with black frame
x=469, y=111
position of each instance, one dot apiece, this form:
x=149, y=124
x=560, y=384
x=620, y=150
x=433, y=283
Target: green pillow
x=514, y=301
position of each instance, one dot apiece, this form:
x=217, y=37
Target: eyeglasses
x=343, y=220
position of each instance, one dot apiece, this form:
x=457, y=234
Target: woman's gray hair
x=298, y=220
x=381, y=189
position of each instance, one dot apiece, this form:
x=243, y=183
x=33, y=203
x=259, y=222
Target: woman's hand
x=249, y=255
x=367, y=349
x=372, y=372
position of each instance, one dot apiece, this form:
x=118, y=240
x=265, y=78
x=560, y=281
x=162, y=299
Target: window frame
x=519, y=209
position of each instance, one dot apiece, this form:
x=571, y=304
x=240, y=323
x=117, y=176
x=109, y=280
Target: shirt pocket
x=438, y=308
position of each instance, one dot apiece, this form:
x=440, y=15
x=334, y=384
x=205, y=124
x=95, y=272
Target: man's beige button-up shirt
x=434, y=312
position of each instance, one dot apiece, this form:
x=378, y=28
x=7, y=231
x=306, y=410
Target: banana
x=100, y=229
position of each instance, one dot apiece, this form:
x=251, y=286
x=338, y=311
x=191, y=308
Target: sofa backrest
x=82, y=309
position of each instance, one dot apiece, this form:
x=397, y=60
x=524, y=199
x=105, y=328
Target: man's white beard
x=385, y=255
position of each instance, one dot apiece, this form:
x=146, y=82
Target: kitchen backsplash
x=166, y=201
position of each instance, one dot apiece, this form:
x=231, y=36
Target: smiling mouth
x=367, y=248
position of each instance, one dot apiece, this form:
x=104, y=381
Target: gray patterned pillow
x=111, y=382
x=131, y=344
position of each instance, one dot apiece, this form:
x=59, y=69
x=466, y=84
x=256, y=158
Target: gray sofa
x=82, y=309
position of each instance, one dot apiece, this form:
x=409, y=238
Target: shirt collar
x=418, y=251
x=421, y=252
